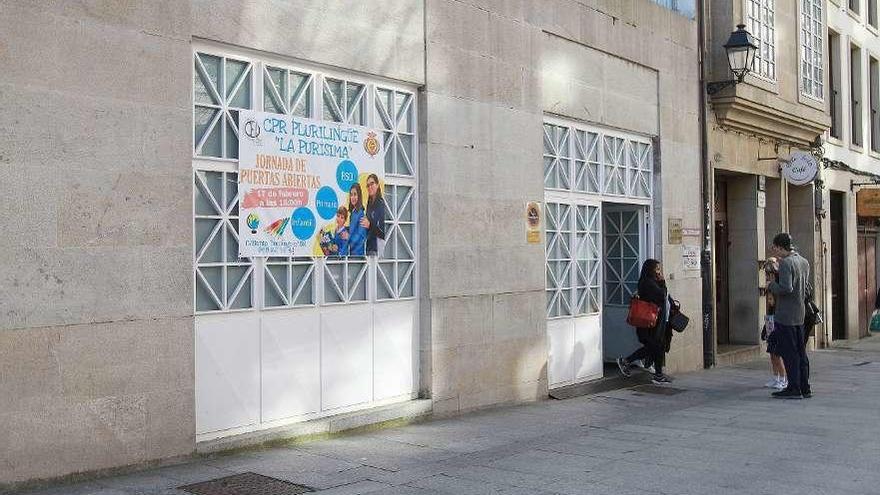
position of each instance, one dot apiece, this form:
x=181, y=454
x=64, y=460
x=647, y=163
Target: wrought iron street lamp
x=740, y=48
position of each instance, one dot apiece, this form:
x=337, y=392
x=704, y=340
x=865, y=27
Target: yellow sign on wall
x=533, y=222
x=868, y=203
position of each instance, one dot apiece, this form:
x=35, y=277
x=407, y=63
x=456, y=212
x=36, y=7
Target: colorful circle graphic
x=326, y=202
x=346, y=174
x=253, y=222
x=302, y=223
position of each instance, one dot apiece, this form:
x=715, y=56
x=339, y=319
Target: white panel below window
x=588, y=347
x=346, y=356
x=560, y=339
x=227, y=369
x=394, y=345
x=291, y=348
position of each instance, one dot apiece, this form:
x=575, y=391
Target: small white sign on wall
x=690, y=257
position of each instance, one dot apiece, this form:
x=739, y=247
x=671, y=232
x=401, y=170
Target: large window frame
x=812, y=50
x=282, y=85
x=855, y=96
x=760, y=18
x=584, y=167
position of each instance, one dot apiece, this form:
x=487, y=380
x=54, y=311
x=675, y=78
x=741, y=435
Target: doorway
x=722, y=259
x=867, y=252
x=838, y=268
x=625, y=248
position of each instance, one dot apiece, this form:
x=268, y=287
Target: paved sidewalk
x=718, y=432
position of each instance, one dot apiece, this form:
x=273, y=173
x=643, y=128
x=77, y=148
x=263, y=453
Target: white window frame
x=812, y=49
x=763, y=67
x=631, y=166
x=321, y=267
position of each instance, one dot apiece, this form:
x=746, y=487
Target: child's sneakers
x=777, y=382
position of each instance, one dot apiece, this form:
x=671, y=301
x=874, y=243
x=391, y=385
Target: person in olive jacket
x=655, y=341
x=374, y=220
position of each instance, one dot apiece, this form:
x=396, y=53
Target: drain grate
x=658, y=390
x=863, y=363
x=246, y=484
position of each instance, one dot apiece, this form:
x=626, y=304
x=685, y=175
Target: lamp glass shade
x=740, y=60
x=741, y=50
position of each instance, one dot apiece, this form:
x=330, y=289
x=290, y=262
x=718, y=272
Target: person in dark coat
x=374, y=220
x=655, y=341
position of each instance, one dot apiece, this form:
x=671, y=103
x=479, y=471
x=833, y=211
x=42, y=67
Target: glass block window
x=572, y=251
x=287, y=91
x=587, y=163
x=557, y=157
x=344, y=101
x=638, y=169
x=761, y=22
x=227, y=81
x=395, y=116
x=559, y=260
x=289, y=282
x=221, y=87
x=587, y=254
x=621, y=256
x=812, y=38
x=223, y=280
x=397, y=265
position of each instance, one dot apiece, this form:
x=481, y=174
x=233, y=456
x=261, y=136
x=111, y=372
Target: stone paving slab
x=722, y=434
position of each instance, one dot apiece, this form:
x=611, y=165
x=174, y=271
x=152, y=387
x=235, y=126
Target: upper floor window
x=811, y=49
x=872, y=13
x=686, y=8
x=854, y=5
x=760, y=19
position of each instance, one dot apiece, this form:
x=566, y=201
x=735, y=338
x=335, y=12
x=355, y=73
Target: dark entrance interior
x=838, y=268
x=722, y=256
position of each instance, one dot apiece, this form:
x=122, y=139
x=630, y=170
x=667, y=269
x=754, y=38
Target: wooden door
x=867, y=245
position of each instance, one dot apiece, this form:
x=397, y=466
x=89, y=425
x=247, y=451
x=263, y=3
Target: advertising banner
x=309, y=187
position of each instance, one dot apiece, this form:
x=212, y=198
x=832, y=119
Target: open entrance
x=838, y=268
x=722, y=246
x=597, y=190
x=624, y=250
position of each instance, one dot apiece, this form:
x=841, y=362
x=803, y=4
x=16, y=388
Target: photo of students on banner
x=309, y=187
x=357, y=230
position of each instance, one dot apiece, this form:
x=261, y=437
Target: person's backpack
x=812, y=314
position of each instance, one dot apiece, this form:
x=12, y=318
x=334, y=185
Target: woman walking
x=652, y=288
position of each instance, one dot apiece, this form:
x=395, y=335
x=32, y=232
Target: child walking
x=779, y=380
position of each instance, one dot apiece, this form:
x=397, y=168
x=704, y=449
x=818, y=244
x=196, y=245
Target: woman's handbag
x=678, y=321
x=642, y=314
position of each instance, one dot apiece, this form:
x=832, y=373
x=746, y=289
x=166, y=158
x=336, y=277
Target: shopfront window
x=226, y=82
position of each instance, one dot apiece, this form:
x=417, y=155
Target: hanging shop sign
x=309, y=187
x=800, y=169
x=533, y=222
x=868, y=203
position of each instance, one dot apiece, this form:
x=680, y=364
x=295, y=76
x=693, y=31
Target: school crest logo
x=371, y=144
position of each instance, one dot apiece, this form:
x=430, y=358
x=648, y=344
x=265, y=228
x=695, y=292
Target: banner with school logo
x=309, y=187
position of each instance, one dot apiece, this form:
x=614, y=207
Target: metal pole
x=707, y=273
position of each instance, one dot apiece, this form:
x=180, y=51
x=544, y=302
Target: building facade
x=132, y=331
x=852, y=150
x=753, y=129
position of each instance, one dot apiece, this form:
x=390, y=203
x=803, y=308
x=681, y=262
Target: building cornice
x=737, y=113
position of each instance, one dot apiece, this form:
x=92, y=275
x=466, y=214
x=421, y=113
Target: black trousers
x=653, y=347
x=793, y=350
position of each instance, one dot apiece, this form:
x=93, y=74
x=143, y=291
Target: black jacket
x=653, y=291
x=376, y=216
